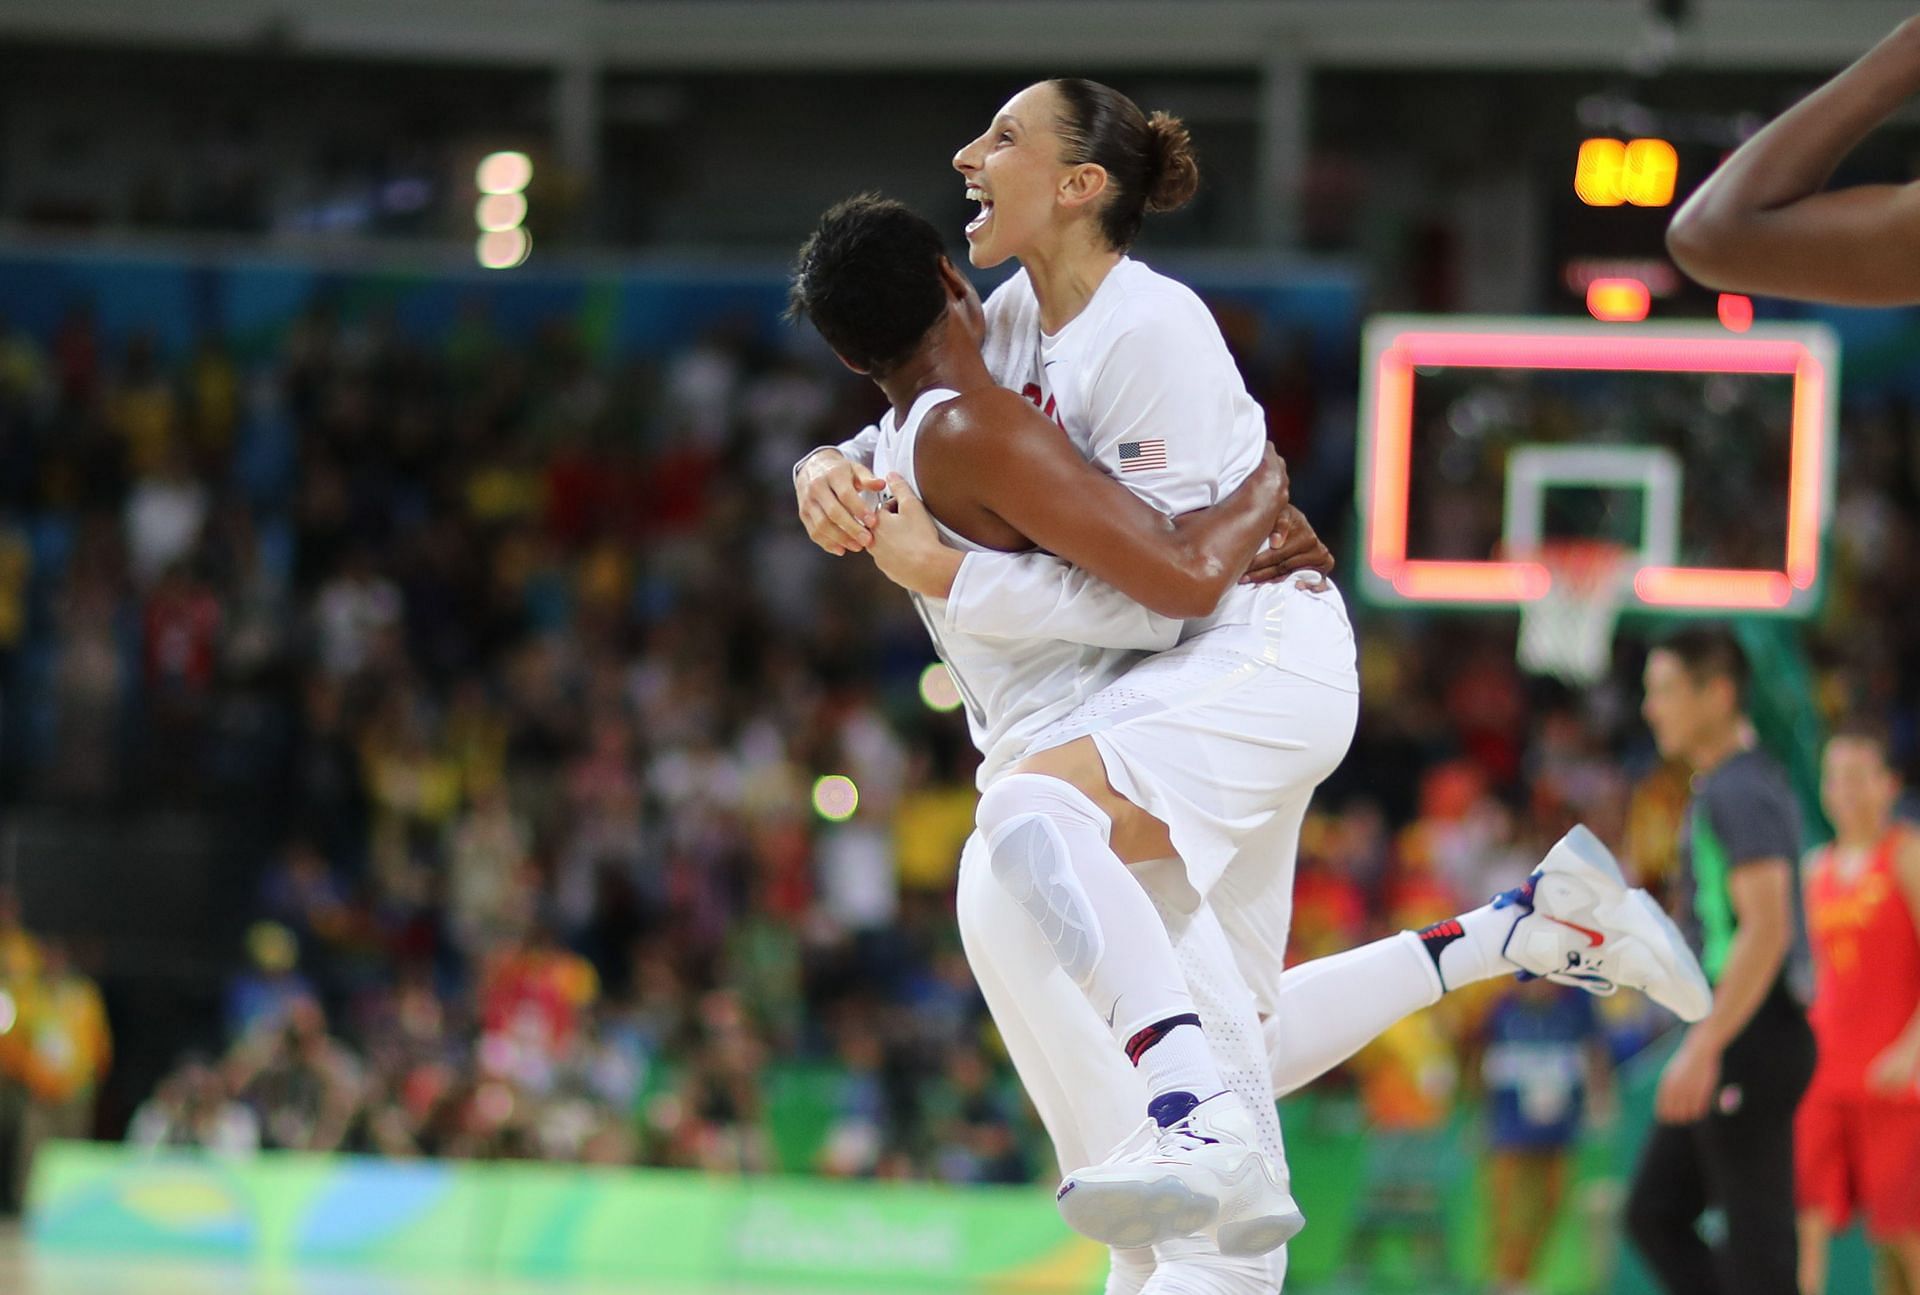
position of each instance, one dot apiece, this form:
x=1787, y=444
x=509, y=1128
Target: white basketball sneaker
x=1192, y=1167
x=1581, y=924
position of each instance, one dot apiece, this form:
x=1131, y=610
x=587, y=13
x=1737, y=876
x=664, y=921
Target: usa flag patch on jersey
x=1142, y=456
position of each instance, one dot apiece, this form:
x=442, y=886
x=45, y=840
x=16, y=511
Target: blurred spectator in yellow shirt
x=66, y=1049
x=142, y=410
x=930, y=826
x=214, y=385
x=16, y=565
x=19, y=975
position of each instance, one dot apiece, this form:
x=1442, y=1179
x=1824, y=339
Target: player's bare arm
x=992, y=466
x=1762, y=223
x=1897, y=1069
x=829, y=486
x=1603, y=1089
x=1762, y=894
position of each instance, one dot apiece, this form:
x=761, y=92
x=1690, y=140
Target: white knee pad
x=1019, y=816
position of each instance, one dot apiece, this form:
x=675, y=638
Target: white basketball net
x=1568, y=632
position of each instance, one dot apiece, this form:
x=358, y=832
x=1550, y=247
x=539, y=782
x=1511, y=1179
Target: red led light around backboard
x=1478, y=582
x=1704, y=587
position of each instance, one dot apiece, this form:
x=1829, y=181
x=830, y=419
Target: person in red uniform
x=1857, y=1141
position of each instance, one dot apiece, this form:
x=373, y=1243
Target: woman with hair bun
x=1065, y=176
x=1133, y=366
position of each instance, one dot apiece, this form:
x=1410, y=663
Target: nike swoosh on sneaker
x=1594, y=938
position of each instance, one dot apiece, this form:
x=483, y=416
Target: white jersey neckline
x=1047, y=340
x=922, y=405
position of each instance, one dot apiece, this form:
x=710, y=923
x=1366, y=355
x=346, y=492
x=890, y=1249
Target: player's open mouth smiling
x=976, y=194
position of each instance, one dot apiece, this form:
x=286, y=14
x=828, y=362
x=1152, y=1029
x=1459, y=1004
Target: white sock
x=1180, y=1061
x=1219, y=1276
x=1469, y=946
x=1195, y=1266
x=1047, y=844
x=1128, y=1271
x=1328, y=1009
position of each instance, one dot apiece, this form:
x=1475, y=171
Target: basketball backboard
x=1707, y=454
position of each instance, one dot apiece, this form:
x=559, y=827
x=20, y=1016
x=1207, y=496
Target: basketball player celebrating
x=944, y=432
x=1763, y=223
x=875, y=283
x=1133, y=367
x=1857, y=1140
x=1725, y=1106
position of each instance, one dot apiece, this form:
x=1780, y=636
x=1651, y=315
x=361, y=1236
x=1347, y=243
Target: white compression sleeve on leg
x=1047, y=844
x=1330, y=1008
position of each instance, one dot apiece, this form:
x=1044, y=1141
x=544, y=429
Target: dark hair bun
x=1173, y=175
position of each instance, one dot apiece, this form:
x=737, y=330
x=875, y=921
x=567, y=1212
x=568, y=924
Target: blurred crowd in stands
x=522, y=651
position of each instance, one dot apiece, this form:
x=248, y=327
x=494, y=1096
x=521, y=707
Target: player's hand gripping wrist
x=907, y=546
x=828, y=488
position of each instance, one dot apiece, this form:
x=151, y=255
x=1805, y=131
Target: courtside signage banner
x=541, y=1221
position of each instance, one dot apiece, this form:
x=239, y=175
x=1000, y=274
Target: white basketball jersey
x=1013, y=687
x=1143, y=383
